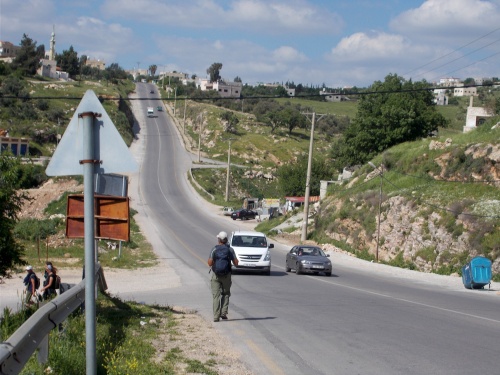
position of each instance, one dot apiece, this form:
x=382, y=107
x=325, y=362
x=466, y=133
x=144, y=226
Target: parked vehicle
x=244, y=214
x=151, y=111
x=308, y=259
x=227, y=211
x=252, y=250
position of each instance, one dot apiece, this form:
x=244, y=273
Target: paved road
x=358, y=321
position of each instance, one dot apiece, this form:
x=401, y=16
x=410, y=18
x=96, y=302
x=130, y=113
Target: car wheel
x=268, y=272
x=287, y=269
x=328, y=273
x=298, y=271
x=234, y=218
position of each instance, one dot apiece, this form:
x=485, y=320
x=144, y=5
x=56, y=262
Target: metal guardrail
x=16, y=351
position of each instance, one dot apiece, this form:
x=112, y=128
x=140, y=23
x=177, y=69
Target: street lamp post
x=379, y=206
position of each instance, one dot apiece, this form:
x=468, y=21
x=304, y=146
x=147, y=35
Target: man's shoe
x=216, y=320
x=223, y=317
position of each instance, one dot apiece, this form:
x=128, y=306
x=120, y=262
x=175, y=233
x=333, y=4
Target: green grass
x=64, y=99
x=346, y=108
x=123, y=344
x=137, y=253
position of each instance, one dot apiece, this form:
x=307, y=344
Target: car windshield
x=311, y=251
x=249, y=241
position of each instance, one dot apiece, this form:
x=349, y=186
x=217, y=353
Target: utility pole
x=199, y=138
x=381, y=171
x=163, y=78
x=303, y=237
x=228, y=170
x=184, y=120
x=175, y=100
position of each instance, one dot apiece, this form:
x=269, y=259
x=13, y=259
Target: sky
x=337, y=43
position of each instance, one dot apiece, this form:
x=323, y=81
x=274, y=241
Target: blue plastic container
x=477, y=273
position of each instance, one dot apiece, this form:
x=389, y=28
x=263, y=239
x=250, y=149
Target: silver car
x=308, y=259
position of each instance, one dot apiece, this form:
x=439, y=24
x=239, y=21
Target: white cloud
x=256, y=16
x=97, y=39
x=26, y=17
x=252, y=62
x=218, y=45
x=448, y=19
x=368, y=47
x=288, y=54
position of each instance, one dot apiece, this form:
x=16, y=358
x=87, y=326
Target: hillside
x=440, y=196
x=440, y=204
x=440, y=201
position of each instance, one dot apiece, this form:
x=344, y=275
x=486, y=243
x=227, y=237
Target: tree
x=214, y=72
x=231, y=121
x=152, y=69
x=281, y=92
x=11, y=251
x=68, y=62
x=332, y=124
x=115, y=72
x=28, y=57
x=292, y=176
x=402, y=111
x=274, y=119
x=469, y=81
x=238, y=79
x=292, y=119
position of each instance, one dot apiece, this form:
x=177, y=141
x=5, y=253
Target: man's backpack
x=222, y=261
x=37, y=282
x=57, y=282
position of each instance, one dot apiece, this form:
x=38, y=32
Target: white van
x=151, y=111
x=252, y=250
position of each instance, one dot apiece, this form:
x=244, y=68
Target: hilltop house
x=475, y=116
x=225, y=89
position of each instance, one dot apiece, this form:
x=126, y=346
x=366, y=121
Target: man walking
x=31, y=285
x=220, y=260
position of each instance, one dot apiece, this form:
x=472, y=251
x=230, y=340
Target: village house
x=225, y=89
x=96, y=63
x=8, y=51
x=18, y=146
x=476, y=116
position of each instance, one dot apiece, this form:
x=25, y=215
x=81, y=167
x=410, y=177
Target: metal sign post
x=88, y=192
x=90, y=147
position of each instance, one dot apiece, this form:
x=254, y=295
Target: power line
x=458, y=58
x=452, y=52
x=486, y=58
x=202, y=98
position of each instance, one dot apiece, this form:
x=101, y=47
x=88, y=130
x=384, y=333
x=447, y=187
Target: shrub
x=31, y=229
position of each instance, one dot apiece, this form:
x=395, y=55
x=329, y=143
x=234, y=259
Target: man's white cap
x=29, y=268
x=222, y=236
